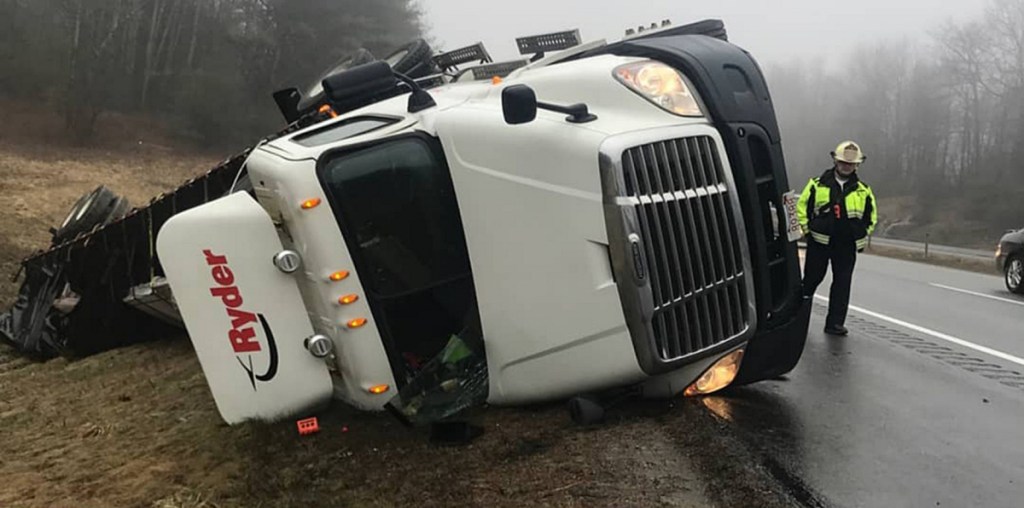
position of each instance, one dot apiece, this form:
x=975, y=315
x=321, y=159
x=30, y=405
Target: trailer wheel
x=90, y=210
x=313, y=95
x=118, y=209
x=414, y=60
x=586, y=411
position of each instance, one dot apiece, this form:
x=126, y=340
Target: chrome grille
x=691, y=244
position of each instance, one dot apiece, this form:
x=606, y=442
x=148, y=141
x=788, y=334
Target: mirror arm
x=578, y=113
x=420, y=98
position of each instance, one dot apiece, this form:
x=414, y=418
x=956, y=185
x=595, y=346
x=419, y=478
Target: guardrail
x=929, y=248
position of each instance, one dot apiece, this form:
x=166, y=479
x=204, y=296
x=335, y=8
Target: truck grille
x=690, y=243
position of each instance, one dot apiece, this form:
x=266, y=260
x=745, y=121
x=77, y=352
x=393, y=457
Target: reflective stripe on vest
x=856, y=205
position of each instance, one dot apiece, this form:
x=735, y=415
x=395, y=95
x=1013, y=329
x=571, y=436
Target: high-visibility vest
x=860, y=207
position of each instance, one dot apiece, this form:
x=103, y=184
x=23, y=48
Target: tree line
x=207, y=67
x=940, y=117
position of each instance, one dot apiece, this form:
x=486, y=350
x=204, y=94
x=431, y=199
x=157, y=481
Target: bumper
x=776, y=351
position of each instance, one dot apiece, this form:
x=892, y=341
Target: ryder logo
x=242, y=334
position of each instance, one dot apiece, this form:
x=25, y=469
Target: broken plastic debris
x=308, y=426
x=453, y=381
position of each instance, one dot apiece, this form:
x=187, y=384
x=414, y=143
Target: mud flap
x=775, y=352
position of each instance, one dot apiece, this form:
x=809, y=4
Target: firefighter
x=837, y=212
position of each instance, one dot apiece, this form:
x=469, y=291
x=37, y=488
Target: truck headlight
x=660, y=84
x=718, y=376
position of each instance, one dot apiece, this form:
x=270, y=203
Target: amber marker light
x=356, y=323
x=311, y=203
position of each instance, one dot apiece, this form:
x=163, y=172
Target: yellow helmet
x=848, y=152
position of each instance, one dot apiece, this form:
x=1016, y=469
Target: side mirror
x=519, y=104
x=360, y=82
x=288, y=103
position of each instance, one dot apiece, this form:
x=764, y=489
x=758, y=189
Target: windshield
x=396, y=206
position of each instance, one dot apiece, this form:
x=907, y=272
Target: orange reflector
x=496, y=80
x=339, y=275
x=356, y=323
x=326, y=109
x=379, y=389
x=310, y=203
x=348, y=299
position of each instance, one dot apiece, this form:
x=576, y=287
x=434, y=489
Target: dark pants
x=842, y=255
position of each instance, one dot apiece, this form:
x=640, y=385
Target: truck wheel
x=413, y=60
x=586, y=411
x=1013, y=274
x=313, y=95
x=118, y=209
x=90, y=210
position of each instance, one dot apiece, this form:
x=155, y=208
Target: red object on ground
x=344, y=429
x=308, y=426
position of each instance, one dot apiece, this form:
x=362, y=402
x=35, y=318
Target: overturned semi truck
x=424, y=238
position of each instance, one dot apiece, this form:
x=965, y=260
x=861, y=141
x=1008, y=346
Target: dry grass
x=38, y=187
x=120, y=429
x=136, y=427
x=973, y=219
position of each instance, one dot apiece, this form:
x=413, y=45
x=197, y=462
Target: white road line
x=983, y=295
x=937, y=335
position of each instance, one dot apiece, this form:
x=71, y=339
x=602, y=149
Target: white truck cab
x=604, y=217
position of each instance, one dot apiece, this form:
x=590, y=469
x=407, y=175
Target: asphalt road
x=922, y=405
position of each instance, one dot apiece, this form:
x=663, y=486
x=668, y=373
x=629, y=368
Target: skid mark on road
x=948, y=355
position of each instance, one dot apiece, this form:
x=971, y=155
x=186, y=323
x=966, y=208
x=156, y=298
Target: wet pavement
x=897, y=415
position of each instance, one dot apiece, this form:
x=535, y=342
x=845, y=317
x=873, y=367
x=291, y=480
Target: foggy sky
x=774, y=31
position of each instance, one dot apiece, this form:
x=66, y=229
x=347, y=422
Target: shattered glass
x=455, y=380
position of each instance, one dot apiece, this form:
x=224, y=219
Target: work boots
x=839, y=330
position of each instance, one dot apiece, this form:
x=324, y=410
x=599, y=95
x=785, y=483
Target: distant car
x=1010, y=260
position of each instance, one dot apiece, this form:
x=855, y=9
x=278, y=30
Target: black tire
x=415, y=60
x=1013, y=273
x=313, y=95
x=90, y=210
x=118, y=209
x=586, y=411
